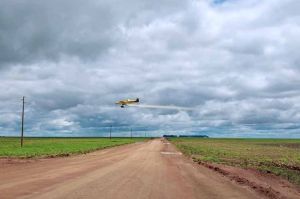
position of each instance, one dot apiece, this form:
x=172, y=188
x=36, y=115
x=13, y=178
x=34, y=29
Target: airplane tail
x=137, y=100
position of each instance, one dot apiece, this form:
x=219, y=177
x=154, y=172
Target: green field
x=48, y=147
x=278, y=156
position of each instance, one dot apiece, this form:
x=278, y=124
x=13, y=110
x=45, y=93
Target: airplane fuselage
x=124, y=103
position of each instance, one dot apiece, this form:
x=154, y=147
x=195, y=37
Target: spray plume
x=162, y=107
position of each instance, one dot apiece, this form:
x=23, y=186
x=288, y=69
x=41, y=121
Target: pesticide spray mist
x=179, y=108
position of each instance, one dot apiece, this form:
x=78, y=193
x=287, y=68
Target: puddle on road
x=170, y=153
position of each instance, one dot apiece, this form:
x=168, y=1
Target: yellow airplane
x=124, y=103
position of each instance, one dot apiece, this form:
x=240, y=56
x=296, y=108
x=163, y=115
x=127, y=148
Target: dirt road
x=151, y=169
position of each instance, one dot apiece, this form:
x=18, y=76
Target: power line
x=110, y=132
x=22, y=128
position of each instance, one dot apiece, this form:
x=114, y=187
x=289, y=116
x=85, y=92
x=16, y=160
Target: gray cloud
x=34, y=31
x=235, y=62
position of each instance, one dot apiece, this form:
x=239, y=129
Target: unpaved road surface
x=151, y=169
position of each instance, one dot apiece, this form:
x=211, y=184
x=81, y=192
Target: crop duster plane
x=124, y=103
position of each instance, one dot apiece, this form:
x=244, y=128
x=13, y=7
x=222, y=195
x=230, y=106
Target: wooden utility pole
x=110, y=132
x=22, y=128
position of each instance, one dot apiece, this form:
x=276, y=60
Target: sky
x=233, y=65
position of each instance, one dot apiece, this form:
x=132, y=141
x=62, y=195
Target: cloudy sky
x=235, y=63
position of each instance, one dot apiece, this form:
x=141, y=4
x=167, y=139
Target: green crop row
x=37, y=147
x=279, y=156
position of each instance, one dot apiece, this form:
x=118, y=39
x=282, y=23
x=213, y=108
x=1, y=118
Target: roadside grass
x=51, y=147
x=278, y=156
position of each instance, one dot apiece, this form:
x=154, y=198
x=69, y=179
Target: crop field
x=278, y=156
x=49, y=147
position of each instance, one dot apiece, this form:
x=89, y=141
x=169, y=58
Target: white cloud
x=235, y=62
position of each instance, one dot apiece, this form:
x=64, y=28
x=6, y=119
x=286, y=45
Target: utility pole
x=22, y=128
x=110, y=132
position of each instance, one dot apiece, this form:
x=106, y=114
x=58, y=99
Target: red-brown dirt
x=153, y=169
x=265, y=184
